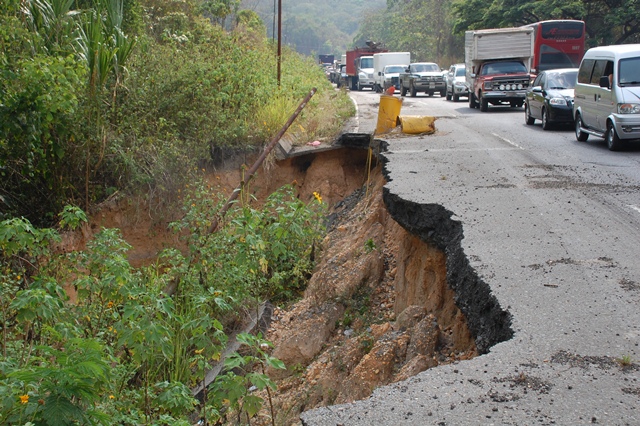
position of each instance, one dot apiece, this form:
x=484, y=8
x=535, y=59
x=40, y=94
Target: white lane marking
x=412, y=151
x=636, y=208
x=507, y=141
x=355, y=103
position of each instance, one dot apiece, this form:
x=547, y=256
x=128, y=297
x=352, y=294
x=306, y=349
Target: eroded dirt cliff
x=378, y=308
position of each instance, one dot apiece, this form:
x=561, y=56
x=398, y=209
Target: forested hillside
x=432, y=30
x=316, y=27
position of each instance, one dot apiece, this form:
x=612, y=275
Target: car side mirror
x=379, y=72
x=604, y=81
x=537, y=89
x=472, y=75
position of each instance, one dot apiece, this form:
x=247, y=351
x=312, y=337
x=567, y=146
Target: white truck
x=381, y=60
x=498, y=66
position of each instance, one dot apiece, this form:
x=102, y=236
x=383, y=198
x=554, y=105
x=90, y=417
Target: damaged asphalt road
x=551, y=230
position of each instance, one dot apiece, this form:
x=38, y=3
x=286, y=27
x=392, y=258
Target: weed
x=366, y=343
x=370, y=246
x=625, y=361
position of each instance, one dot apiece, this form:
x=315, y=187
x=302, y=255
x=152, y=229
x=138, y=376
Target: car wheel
x=412, y=90
x=359, y=87
x=580, y=135
x=443, y=93
x=545, y=119
x=527, y=116
x=430, y=94
x=614, y=143
x=447, y=95
x=456, y=98
x=484, y=103
x=472, y=100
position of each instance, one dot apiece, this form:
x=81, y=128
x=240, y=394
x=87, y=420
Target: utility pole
x=279, y=38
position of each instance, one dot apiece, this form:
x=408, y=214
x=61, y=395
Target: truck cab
x=498, y=83
x=364, y=68
x=422, y=77
x=390, y=75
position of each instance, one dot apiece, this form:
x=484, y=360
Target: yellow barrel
x=388, y=113
x=416, y=124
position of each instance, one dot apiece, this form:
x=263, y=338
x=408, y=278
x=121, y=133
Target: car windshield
x=629, y=72
x=395, y=68
x=511, y=67
x=460, y=72
x=564, y=80
x=426, y=68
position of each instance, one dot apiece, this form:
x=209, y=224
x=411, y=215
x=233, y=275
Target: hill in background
x=314, y=28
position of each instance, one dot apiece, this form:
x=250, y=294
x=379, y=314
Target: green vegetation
x=434, y=30
x=123, y=351
x=106, y=98
x=607, y=22
x=625, y=361
x=123, y=98
x=317, y=27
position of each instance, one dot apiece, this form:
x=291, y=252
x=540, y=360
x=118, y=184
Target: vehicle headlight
x=628, y=108
x=362, y=75
x=558, y=101
x=520, y=86
x=501, y=87
x=487, y=85
x=460, y=85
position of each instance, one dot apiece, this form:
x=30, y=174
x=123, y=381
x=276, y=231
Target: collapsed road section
x=381, y=306
x=553, y=230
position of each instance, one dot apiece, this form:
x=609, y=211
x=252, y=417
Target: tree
x=420, y=27
x=607, y=22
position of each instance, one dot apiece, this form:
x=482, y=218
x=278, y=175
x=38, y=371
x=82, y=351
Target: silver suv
x=456, y=83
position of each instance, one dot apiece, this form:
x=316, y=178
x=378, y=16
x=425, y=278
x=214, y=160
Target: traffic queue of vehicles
x=541, y=66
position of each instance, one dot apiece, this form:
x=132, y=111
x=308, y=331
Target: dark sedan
x=550, y=97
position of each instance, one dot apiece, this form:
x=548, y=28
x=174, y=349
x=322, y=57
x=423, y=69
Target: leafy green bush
x=86, y=111
x=135, y=341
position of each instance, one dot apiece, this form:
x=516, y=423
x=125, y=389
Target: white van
x=607, y=95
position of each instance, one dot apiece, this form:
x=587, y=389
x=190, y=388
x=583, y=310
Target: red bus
x=558, y=44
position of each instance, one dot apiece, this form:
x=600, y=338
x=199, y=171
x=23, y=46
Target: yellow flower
x=24, y=399
x=112, y=397
x=199, y=351
x=317, y=195
x=18, y=277
x=110, y=305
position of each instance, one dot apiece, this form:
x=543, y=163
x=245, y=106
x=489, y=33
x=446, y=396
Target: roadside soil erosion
x=378, y=308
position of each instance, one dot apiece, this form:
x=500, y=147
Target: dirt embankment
x=377, y=310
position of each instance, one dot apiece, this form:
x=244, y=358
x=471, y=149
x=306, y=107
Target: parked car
x=607, y=95
x=550, y=97
x=456, y=84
